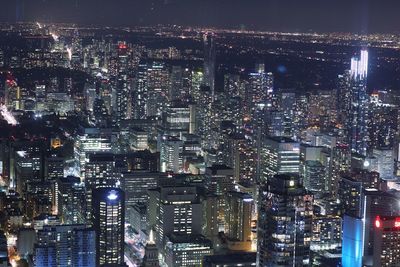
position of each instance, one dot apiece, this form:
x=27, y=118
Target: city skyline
x=181, y=134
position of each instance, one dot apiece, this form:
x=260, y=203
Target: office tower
x=260, y=89
x=210, y=214
x=100, y=171
x=150, y=258
x=341, y=161
x=274, y=123
x=239, y=208
x=139, y=139
x=287, y=105
x=180, y=83
x=239, y=154
x=71, y=196
x=357, y=113
x=150, y=95
x=195, y=88
x=27, y=163
x=315, y=177
x=171, y=154
x=300, y=123
x=204, y=116
x=90, y=96
x=53, y=167
x=100, y=113
x=136, y=216
x=174, y=209
x=352, y=241
x=322, y=109
x=383, y=124
x=219, y=179
x=177, y=118
x=108, y=221
x=351, y=189
x=384, y=162
x=65, y=245
x=139, y=94
x=122, y=111
x=386, y=241
x=135, y=185
x=186, y=250
x=209, y=62
x=284, y=222
x=279, y=155
x=326, y=232
x=90, y=140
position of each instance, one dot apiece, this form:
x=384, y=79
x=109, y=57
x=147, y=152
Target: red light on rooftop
x=378, y=222
x=397, y=223
x=122, y=46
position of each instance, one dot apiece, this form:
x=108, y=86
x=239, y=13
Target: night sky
x=361, y=16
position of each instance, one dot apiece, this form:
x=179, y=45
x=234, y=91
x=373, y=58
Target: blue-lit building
x=65, y=245
x=352, y=242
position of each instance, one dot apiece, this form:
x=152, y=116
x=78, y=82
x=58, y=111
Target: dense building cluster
x=117, y=152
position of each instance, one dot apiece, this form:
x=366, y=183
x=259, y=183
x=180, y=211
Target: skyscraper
x=386, y=241
x=279, y=155
x=357, y=116
x=284, y=222
x=65, y=245
x=238, y=220
x=108, y=221
x=177, y=209
x=209, y=61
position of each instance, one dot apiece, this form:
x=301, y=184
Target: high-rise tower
x=108, y=221
x=284, y=222
x=209, y=61
x=357, y=111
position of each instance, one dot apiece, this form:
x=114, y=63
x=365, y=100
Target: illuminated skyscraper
x=99, y=172
x=177, y=210
x=108, y=222
x=65, y=245
x=284, y=222
x=261, y=87
x=171, y=154
x=238, y=220
x=357, y=116
x=122, y=99
x=280, y=155
x=209, y=61
x=386, y=241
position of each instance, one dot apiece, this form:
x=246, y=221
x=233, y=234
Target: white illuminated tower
x=358, y=110
x=108, y=221
x=359, y=65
